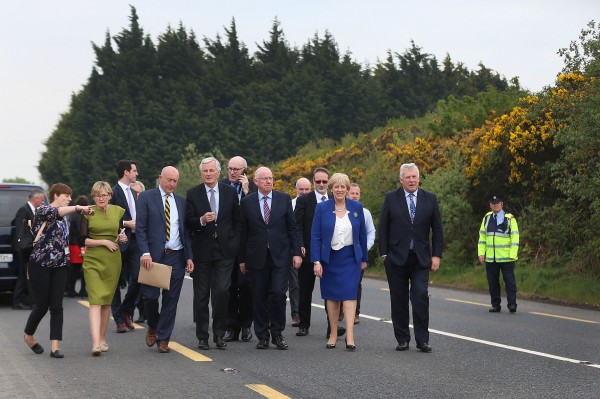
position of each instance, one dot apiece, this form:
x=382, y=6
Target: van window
x=10, y=202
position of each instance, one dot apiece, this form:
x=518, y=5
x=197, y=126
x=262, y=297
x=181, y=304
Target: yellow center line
x=267, y=391
x=187, y=352
x=470, y=303
x=564, y=317
x=84, y=303
x=384, y=289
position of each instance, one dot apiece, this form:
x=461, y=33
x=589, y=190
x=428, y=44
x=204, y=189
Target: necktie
x=323, y=198
x=266, y=210
x=413, y=208
x=168, y=216
x=130, y=203
x=213, y=202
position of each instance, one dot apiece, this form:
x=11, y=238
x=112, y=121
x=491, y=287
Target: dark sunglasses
x=321, y=181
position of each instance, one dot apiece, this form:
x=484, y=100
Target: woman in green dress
x=102, y=231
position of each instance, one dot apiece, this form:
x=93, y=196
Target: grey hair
x=408, y=166
x=35, y=193
x=208, y=160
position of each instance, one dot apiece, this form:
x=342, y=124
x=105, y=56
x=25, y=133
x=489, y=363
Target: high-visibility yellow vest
x=499, y=246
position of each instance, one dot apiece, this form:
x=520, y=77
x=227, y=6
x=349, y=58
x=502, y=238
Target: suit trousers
x=269, y=286
x=293, y=290
x=410, y=279
x=492, y=270
x=130, y=261
x=306, y=283
x=211, y=282
x=49, y=285
x=239, y=308
x=163, y=321
x=23, y=292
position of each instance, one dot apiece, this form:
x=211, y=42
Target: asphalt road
x=542, y=351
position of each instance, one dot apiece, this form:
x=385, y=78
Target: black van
x=12, y=197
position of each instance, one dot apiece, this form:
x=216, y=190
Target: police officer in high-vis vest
x=498, y=247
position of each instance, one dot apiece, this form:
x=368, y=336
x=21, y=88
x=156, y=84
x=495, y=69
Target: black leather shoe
x=203, y=344
x=220, y=343
x=424, y=347
x=279, y=342
x=57, y=354
x=263, y=344
x=341, y=331
x=495, y=309
x=231, y=336
x=350, y=348
x=512, y=308
x=21, y=306
x=330, y=346
x=302, y=332
x=246, y=334
x=402, y=346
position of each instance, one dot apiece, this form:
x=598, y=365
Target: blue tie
x=413, y=208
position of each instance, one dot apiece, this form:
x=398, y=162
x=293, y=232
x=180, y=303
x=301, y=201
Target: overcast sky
x=46, y=54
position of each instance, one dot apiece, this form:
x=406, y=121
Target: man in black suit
x=213, y=219
x=23, y=245
x=269, y=238
x=163, y=238
x=304, y=213
x=408, y=217
x=124, y=197
x=239, y=308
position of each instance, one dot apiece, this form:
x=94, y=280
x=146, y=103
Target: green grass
x=550, y=284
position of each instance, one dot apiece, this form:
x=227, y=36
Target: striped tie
x=266, y=210
x=168, y=216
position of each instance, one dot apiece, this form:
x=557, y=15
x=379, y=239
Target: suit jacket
x=227, y=226
x=120, y=198
x=304, y=214
x=151, y=225
x=396, y=230
x=23, y=238
x=282, y=233
x=324, y=224
x=252, y=187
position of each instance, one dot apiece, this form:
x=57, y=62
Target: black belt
x=168, y=251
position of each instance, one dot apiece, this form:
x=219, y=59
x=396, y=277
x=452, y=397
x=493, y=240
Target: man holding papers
x=162, y=238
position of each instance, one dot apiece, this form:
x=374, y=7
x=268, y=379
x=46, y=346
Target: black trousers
x=306, y=285
x=23, y=292
x=493, y=270
x=239, y=307
x=211, y=282
x=409, y=281
x=130, y=267
x=49, y=285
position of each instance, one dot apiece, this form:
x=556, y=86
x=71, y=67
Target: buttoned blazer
x=120, y=198
x=151, y=225
x=23, y=238
x=324, y=224
x=227, y=226
x=281, y=234
x=304, y=214
x=396, y=231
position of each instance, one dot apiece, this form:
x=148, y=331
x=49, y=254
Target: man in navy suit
x=163, y=238
x=408, y=217
x=213, y=218
x=269, y=238
x=124, y=197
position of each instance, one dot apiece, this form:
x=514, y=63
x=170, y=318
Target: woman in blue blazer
x=339, y=252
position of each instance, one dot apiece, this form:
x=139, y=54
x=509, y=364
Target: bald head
x=168, y=179
x=235, y=168
x=302, y=186
x=263, y=177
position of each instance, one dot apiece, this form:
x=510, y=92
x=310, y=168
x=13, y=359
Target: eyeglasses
x=234, y=169
x=265, y=178
x=321, y=181
x=102, y=196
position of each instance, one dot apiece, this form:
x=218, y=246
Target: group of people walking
x=240, y=240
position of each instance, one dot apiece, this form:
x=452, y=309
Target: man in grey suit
x=163, y=238
x=408, y=217
x=213, y=218
x=269, y=238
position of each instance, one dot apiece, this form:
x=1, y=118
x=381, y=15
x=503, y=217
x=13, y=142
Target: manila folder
x=158, y=276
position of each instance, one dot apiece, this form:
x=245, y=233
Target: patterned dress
x=101, y=267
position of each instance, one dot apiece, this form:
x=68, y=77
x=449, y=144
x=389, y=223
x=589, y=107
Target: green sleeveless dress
x=101, y=267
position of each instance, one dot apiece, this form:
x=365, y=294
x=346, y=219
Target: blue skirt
x=341, y=276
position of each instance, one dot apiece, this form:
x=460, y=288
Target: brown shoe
x=151, y=337
x=164, y=347
x=121, y=328
x=127, y=320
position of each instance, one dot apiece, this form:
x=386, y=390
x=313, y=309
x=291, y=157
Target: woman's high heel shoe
x=350, y=348
x=104, y=347
x=96, y=350
x=330, y=346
